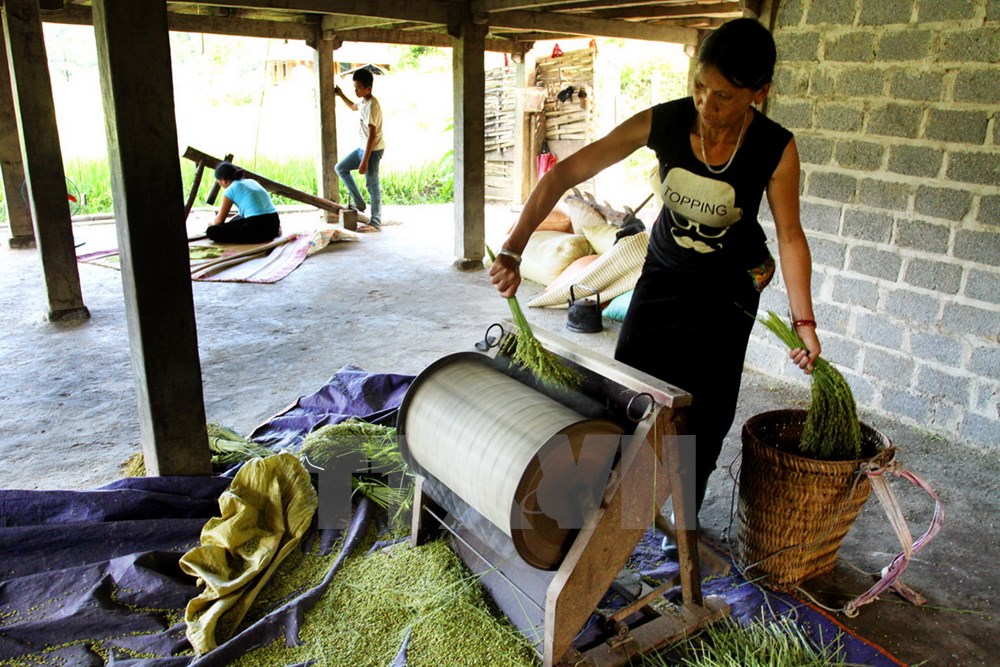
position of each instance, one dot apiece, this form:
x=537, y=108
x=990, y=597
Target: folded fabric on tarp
x=266, y=511
x=87, y=575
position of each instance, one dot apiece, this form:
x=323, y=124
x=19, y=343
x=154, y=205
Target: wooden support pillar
x=193, y=192
x=152, y=239
x=22, y=233
x=42, y=156
x=326, y=178
x=470, y=148
x=522, y=139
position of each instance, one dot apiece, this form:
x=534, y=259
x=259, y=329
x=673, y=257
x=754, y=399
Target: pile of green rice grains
x=832, y=430
x=527, y=351
x=376, y=599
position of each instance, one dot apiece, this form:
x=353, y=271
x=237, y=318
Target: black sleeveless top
x=709, y=221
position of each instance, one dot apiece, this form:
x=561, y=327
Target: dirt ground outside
x=392, y=302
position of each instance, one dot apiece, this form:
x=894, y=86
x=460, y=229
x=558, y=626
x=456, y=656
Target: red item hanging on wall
x=545, y=160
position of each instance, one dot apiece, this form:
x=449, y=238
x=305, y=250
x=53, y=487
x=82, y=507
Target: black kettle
x=584, y=314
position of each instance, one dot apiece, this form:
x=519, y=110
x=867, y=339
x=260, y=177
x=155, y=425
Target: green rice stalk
x=375, y=443
x=528, y=352
x=226, y=445
x=229, y=447
x=777, y=643
x=832, y=430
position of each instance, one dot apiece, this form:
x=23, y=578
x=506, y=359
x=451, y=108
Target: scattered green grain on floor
x=372, y=603
x=134, y=466
x=300, y=572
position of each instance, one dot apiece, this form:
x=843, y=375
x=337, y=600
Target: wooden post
x=214, y=191
x=327, y=180
x=42, y=155
x=522, y=141
x=469, y=104
x=349, y=219
x=22, y=233
x=152, y=240
x=273, y=186
x=193, y=193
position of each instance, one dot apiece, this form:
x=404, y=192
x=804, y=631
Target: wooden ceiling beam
x=424, y=38
x=662, y=11
x=343, y=22
x=362, y=19
x=493, y=6
x=591, y=27
x=425, y=11
x=214, y=25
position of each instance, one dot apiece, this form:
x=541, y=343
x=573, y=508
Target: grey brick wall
x=896, y=111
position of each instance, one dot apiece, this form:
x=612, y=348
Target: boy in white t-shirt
x=367, y=158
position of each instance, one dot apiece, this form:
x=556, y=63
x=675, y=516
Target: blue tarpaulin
x=91, y=578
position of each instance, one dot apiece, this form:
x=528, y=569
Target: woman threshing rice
x=694, y=304
x=258, y=219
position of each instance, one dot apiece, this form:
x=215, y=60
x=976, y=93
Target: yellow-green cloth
x=265, y=513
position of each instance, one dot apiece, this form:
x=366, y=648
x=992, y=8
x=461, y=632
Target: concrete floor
x=392, y=302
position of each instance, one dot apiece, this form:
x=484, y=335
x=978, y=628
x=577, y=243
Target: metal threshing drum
x=528, y=464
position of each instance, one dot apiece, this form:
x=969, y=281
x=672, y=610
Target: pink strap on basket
x=892, y=572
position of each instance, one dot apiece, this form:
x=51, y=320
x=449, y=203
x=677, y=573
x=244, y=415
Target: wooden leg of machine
x=681, y=481
x=424, y=527
x=599, y=551
x=708, y=558
x=603, y=547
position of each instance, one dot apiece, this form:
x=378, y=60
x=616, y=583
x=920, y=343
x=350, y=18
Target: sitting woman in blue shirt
x=257, y=221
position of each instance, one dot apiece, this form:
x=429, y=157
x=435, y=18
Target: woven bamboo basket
x=794, y=511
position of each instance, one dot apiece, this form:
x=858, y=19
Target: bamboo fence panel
x=501, y=121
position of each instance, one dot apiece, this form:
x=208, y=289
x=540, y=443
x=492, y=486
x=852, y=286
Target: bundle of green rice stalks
x=229, y=447
x=528, y=353
x=373, y=442
x=777, y=643
x=226, y=445
x=832, y=430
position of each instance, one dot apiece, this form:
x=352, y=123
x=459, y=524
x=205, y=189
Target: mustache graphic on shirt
x=701, y=209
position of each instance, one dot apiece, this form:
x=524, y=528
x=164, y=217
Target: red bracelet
x=804, y=323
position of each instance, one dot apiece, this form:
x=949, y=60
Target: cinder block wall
x=894, y=105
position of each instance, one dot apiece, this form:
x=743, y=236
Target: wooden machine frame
x=564, y=600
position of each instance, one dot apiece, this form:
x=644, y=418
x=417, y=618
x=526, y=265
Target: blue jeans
x=352, y=161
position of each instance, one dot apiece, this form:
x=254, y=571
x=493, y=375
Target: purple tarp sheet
x=81, y=570
x=749, y=602
x=350, y=393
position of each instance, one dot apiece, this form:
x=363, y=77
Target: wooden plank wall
x=568, y=125
x=501, y=117
x=572, y=120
